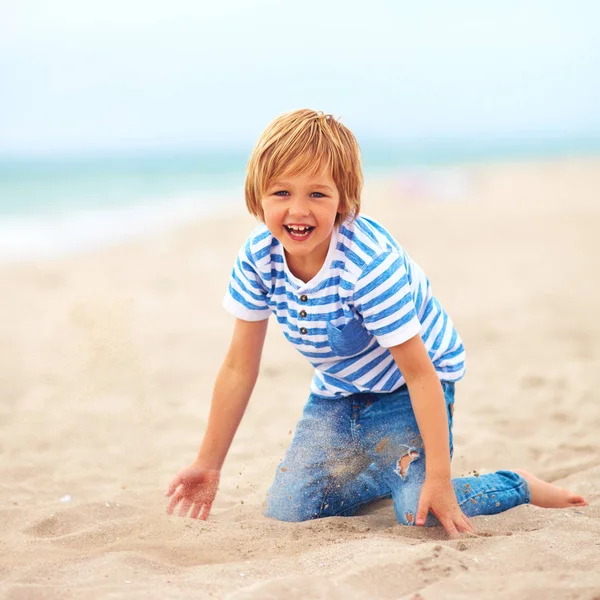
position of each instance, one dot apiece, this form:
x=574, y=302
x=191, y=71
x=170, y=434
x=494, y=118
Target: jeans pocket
x=349, y=340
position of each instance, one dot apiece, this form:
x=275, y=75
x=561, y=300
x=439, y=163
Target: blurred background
x=123, y=117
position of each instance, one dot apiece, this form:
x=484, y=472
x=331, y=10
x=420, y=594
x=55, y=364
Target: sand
x=108, y=361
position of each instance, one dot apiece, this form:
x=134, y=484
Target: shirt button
x=303, y=330
x=304, y=298
x=303, y=314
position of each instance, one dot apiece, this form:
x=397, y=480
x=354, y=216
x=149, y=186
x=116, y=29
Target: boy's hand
x=437, y=496
x=195, y=487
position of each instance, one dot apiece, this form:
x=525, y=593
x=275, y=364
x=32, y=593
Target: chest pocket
x=351, y=339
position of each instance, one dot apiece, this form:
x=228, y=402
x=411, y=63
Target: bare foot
x=547, y=495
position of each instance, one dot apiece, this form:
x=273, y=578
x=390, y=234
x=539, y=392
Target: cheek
x=272, y=215
x=329, y=214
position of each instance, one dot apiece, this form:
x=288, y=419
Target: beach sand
x=106, y=371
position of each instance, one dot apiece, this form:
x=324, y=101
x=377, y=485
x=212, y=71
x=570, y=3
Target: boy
x=378, y=422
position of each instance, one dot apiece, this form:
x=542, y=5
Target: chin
x=295, y=251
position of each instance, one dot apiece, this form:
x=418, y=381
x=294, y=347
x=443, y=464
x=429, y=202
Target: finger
x=422, y=511
x=175, y=500
x=196, y=510
x=205, y=511
x=465, y=525
x=173, y=486
x=451, y=529
x=185, y=506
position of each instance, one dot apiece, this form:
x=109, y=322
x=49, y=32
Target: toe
x=577, y=501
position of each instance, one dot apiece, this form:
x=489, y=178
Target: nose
x=299, y=207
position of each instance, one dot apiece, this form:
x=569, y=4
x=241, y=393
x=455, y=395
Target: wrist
x=207, y=462
x=438, y=473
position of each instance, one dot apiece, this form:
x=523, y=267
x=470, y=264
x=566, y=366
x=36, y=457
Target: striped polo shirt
x=368, y=296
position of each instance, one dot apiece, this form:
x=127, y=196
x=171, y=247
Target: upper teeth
x=298, y=228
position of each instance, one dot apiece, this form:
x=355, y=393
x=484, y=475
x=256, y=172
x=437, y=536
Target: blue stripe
x=364, y=227
x=392, y=381
x=440, y=336
x=283, y=304
x=242, y=269
x=350, y=255
x=244, y=266
x=347, y=233
x=242, y=284
x=380, y=377
x=336, y=281
x=339, y=383
x=344, y=364
x=384, y=232
x=262, y=253
x=295, y=314
x=330, y=316
x=453, y=368
x=387, y=294
x=278, y=275
x=368, y=250
x=381, y=296
x=419, y=300
x=236, y=296
x=369, y=367
x=301, y=341
x=428, y=309
x=448, y=356
x=390, y=310
x=261, y=236
x=309, y=331
x=329, y=282
x=431, y=326
x=452, y=342
x=319, y=355
x=381, y=278
x=346, y=285
x=407, y=318
x=330, y=299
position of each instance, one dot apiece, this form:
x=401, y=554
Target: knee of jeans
x=283, y=507
x=406, y=514
x=292, y=501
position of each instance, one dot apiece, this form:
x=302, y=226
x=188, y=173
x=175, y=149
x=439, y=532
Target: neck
x=306, y=267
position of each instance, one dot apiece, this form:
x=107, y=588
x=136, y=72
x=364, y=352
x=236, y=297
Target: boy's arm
x=429, y=406
x=233, y=388
x=195, y=486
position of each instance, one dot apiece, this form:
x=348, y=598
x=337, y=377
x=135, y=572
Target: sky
x=118, y=75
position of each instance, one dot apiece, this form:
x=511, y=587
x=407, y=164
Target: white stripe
x=358, y=364
x=396, y=316
x=385, y=265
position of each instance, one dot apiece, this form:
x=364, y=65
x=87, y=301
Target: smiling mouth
x=299, y=232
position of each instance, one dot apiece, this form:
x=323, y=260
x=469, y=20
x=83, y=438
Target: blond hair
x=306, y=141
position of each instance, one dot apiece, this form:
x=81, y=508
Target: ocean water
x=51, y=207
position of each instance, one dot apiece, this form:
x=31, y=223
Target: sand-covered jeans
x=350, y=451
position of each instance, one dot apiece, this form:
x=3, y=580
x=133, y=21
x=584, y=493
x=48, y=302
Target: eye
x=317, y=195
x=281, y=193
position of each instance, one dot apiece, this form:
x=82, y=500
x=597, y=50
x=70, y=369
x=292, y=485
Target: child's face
x=300, y=211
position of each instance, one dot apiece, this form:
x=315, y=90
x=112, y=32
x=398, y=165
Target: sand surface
x=107, y=363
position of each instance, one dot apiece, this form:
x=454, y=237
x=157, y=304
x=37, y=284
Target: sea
x=53, y=206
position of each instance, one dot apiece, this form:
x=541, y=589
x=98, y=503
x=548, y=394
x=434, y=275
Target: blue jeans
x=347, y=452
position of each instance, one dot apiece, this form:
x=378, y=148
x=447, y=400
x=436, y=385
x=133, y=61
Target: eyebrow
x=315, y=185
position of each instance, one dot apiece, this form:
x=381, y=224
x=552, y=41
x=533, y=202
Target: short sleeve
x=246, y=296
x=383, y=297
